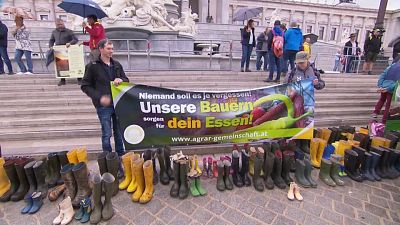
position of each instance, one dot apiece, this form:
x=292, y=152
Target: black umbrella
x=313, y=37
x=82, y=8
x=394, y=42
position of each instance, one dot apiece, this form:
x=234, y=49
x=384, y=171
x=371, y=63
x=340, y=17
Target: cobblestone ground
x=357, y=203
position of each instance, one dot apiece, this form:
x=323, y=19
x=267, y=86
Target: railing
x=209, y=55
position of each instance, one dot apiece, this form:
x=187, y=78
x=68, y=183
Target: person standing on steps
x=293, y=44
x=275, y=38
x=23, y=46
x=372, y=47
x=248, y=43
x=96, y=85
x=3, y=50
x=307, y=45
x=262, y=50
x=62, y=36
x=351, y=51
x=97, y=33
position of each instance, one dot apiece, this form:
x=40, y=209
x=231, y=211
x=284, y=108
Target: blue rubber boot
x=29, y=203
x=37, y=200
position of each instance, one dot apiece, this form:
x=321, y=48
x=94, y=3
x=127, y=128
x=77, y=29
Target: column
x=222, y=12
x=234, y=8
x=203, y=10
x=316, y=28
x=264, y=14
x=363, y=30
x=328, y=28
x=291, y=16
x=353, y=21
x=339, y=39
x=304, y=27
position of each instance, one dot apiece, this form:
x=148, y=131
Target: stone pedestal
x=172, y=10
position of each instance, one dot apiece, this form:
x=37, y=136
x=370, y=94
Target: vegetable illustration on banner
x=153, y=116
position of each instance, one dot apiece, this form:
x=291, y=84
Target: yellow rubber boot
x=139, y=176
x=4, y=181
x=72, y=157
x=342, y=147
x=354, y=143
x=196, y=158
x=377, y=142
x=326, y=134
x=126, y=162
x=81, y=154
x=321, y=149
x=133, y=185
x=386, y=143
x=319, y=133
x=148, y=180
x=314, y=146
x=363, y=131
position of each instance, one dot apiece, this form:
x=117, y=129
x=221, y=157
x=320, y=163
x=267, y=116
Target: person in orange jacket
x=97, y=33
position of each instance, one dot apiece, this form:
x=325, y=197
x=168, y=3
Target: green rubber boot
x=201, y=190
x=193, y=188
x=324, y=173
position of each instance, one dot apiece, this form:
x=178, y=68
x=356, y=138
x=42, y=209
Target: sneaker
x=28, y=73
x=61, y=82
x=277, y=81
x=267, y=80
x=20, y=73
x=2, y=73
x=247, y=70
x=241, y=70
x=79, y=81
x=369, y=72
x=11, y=73
x=374, y=115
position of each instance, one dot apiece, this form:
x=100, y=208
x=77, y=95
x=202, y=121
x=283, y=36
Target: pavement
x=375, y=203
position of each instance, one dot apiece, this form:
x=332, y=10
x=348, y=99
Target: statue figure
x=186, y=23
x=275, y=15
x=345, y=35
x=151, y=12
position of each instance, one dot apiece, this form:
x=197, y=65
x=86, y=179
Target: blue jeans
x=288, y=56
x=337, y=65
x=18, y=59
x=4, y=57
x=262, y=54
x=107, y=116
x=349, y=68
x=246, y=53
x=273, y=60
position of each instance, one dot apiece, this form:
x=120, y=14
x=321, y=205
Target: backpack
x=316, y=73
x=277, y=45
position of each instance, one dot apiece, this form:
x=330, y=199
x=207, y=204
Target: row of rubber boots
x=139, y=177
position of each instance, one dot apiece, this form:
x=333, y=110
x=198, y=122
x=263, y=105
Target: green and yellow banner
x=153, y=116
x=393, y=121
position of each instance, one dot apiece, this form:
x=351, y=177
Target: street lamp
x=209, y=17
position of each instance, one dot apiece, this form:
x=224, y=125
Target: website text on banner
x=393, y=121
x=153, y=116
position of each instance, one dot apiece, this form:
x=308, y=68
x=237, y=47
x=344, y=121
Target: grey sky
x=392, y=4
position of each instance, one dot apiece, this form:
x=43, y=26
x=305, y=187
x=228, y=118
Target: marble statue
x=345, y=35
x=275, y=15
x=186, y=23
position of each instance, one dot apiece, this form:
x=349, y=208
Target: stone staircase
x=37, y=116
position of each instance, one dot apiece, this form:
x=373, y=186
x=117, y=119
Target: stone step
x=45, y=111
x=334, y=103
x=51, y=120
x=347, y=111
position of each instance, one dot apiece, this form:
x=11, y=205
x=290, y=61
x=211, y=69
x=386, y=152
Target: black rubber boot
x=374, y=163
x=366, y=171
x=307, y=172
x=227, y=176
x=167, y=153
x=305, y=145
x=53, y=168
x=286, y=166
x=113, y=164
x=393, y=156
x=155, y=173
x=393, y=140
x=175, y=187
x=275, y=147
x=352, y=165
x=69, y=180
x=62, y=158
x=277, y=171
x=30, y=176
x=266, y=146
x=220, y=178
x=257, y=180
x=164, y=178
x=360, y=159
x=237, y=180
x=81, y=173
x=268, y=168
x=377, y=161
x=363, y=139
x=244, y=172
x=95, y=216
x=300, y=174
x=23, y=181
x=383, y=164
x=102, y=162
x=40, y=174
x=184, y=187
x=12, y=175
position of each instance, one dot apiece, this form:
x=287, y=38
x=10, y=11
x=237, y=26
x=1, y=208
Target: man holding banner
x=96, y=83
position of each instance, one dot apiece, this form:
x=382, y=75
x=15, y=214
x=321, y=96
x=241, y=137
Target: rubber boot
x=184, y=187
x=393, y=140
x=307, y=172
x=363, y=139
x=133, y=185
x=244, y=172
x=334, y=172
x=72, y=157
x=108, y=181
x=11, y=173
x=329, y=150
x=53, y=168
x=298, y=154
x=148, y=180
x=87, y=210
x=257, y=180
x=366, y=170
x=266, y=146
x=40, y=174
x=305, y=145
x=62, y=158
x=392, y=173
x=220, y=178
x=374, y=163
x=321, y=149
x=286, y=165
x=326, y=134
x=300, y=174
x=23, y=182
x=252, y=153
x=80, y=172
x=175, y=186
x=69, y=181
x=81, y=154
x=79, y=213
x=201, y=190
x=56, y=192
x=193, y=188
x=237, y=180
x=352, y=165
x=95, y=216
x=277, y=171
x=167, y=154
x=113, y=163
x=126, y=162
x=164, y=178
x=274, y=147
x=29, y=203
x=342, y=147
x=66, y=212
x=4, y=181
x=227, y=176
x=139, y=176
x=324, y=173
x=37, y=202
x=102, y=162
x=383, y=164
x=30, y=175
x=377, y=142
x=268, y=168
x=361, y=159
x=314, y=146
x=155, y=174
x=394, y=159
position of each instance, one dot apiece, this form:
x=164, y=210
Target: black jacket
x=246, y=37
x=96, y=82
x=372, y=44
x=3, y=34
x=62, y=37
x=348, y=48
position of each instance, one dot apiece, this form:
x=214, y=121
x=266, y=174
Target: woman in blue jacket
x=248, y=43
x=386, y=87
